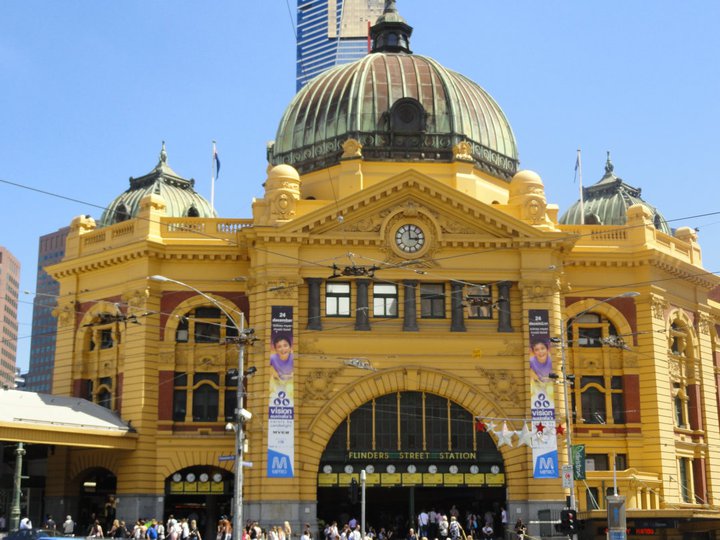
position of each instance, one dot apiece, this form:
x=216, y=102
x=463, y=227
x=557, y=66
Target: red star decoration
x=560, y=430
x=539, y=427
x=480, y=426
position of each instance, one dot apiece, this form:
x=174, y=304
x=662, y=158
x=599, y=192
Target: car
x=32, y=534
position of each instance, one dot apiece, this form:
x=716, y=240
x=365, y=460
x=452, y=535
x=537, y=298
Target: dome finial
x=391, y=33
x=609, y=167
x=163, y=154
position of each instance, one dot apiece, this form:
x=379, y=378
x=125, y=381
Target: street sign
x=567, y=472
x=247, y=463
x=226, y=458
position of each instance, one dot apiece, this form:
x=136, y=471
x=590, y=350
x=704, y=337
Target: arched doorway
x=97, y=499
x=202, y=493
x=420, y=452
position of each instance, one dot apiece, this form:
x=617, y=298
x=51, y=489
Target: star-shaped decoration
x=480, y=426
x=559, y=429
x=524, y=436
x=539, y=427
x=491, y=426
x=504, y=436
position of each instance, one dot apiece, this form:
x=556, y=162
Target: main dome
x=400, y=107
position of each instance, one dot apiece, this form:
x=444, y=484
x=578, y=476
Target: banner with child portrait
x=281, y=416
x=542, y=396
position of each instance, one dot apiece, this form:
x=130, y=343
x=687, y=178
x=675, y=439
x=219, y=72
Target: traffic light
x=568, y=522
x=353, y=491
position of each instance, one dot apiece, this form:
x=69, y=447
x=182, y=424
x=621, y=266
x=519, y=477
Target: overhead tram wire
x=312, y=263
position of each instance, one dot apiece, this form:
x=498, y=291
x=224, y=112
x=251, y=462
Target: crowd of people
x=429, y=525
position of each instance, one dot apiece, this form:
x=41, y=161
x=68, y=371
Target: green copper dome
x=606, y=203
x=399, y=106
x=180, y=198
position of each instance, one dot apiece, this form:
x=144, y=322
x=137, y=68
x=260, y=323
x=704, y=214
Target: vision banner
x=281, y=417
x=542, y=395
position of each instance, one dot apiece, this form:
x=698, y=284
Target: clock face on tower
x=409, y=238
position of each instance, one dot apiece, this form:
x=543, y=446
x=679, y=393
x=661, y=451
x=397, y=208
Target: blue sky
x=89, y=89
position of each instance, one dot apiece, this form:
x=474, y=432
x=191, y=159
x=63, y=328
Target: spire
x=163, y=154
x=391, y=33
x=609, y=167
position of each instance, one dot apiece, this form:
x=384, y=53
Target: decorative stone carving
x=64, y=314
x=282, y=289
x=136, y=300
x=282, y=191
x=539, y=291
x=675, y=369
x=704, y=324
x=659, y=306
x=453, y=227
x=318, y=383
x=512, y=348
x=501, y=384
x=351, y=149
x=462, y=151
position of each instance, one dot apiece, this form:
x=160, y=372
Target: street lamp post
x=17, y=488
x=563, y=347
x=241, y=415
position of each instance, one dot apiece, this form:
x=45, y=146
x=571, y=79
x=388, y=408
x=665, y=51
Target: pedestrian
x=487, y=532
x=3, y=523
x=50, y=523
x=443, y=526
x=96, y=530
x=520, y=529
x=25, y=524
x=454, y=530
x=68, y=526
x=194, y=531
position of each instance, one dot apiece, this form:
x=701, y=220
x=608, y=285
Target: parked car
x=32, y=534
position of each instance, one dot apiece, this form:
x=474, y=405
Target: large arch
x=198, y=301
x=609, y=311
x=403, y=379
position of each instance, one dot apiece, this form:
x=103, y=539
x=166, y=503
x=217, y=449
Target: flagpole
x=582, y=202
x=212, y=178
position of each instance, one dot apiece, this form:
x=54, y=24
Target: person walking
x=68, y=526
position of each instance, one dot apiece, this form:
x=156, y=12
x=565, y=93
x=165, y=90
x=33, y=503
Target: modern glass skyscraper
x=44, y=325
x=332, y=32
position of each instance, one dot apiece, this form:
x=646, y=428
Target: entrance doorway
x=419, y=451
x=397, y=508
x=97, y=500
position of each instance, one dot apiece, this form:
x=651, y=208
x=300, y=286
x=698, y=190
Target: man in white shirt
x=433, y=519
x=423, y=520
x=25, y=523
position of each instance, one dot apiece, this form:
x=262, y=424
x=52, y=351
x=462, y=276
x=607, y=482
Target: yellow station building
x=405, y=260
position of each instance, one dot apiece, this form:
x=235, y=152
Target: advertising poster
x=281, y=417
x=542, y=396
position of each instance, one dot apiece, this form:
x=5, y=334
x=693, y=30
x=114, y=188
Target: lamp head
x=158, y=277
x=629, y=294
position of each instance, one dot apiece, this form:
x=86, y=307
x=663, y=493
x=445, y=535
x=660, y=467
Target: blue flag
x=216, y=160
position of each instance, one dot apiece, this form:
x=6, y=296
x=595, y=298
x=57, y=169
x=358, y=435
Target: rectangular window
x=596, y=462
x=106, y=340
x=337, y=300
x=206, y=332
x=179, y=405
x=411, y=424
x=592, y=498
x=386, y=422
x=479, y=299
x=230, y=405
x=385, y=300
x=683, y=465
x=432, y=301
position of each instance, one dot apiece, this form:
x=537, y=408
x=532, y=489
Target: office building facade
x=332, y=32
x=51, y=250
x=9, y=293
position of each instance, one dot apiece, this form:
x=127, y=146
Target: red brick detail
x=694, y=406
x=631, y=396
x=700, y=480
x=78, y=388
x=605, y=430
x=165, y=394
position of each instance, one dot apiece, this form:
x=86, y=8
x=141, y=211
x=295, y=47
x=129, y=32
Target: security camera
x=245, y=414
x=229, y=426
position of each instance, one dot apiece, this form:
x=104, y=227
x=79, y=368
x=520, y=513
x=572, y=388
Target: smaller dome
x=178, y=193
x=283, y=171
x=607, y=203
x=526, y=181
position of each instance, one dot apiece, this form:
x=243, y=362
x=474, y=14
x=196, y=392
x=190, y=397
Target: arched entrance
x=202, y=493
x=420, y=452
x=97, y=499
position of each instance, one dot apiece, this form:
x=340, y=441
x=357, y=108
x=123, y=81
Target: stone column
x=362, y=315
x=457, y=311
x=410, y=304
x=314, y=317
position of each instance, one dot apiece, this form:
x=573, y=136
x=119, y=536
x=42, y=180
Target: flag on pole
x=577, y=166
x=216, y=162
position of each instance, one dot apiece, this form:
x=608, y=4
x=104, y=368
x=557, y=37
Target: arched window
x=205, y=398
x=121, y=213
x=589, y=330
x=104, y=398
x=204, y=325
x=407, y=115
x=193, y=212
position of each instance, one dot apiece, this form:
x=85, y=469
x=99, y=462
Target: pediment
x=411, y=195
